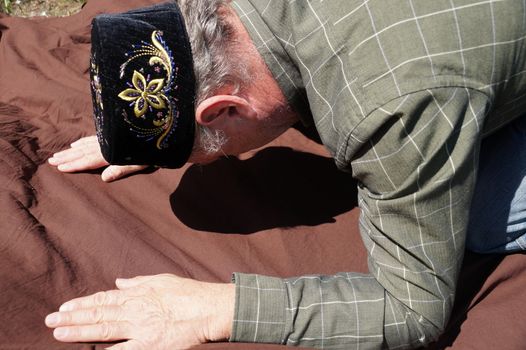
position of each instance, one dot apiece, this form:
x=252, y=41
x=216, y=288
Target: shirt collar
x=268, y=30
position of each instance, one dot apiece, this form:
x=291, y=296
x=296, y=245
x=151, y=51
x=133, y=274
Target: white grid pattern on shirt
x=247, y=16
x=443, y=110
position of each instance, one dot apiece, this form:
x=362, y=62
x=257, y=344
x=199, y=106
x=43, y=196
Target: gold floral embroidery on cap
x=151, y=98
x=145, y=94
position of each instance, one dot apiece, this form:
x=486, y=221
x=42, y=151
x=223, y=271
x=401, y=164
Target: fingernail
x=62, y=167
x=65, y=307
x=120, y=282
x=52, y=319
x=60, y=333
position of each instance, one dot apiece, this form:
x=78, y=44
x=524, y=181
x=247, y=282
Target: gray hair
x=213, y=47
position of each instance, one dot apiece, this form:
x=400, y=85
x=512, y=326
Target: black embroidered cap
x=143, y=86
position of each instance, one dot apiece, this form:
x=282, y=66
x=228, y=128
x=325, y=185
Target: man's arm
x=418, y=170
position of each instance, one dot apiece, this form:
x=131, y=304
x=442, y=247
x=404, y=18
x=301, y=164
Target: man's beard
x=209, y=141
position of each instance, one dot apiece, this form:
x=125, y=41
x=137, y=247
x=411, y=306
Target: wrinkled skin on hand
x=150, y=312
x=84, y=154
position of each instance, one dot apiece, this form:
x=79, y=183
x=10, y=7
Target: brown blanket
x=284, y=210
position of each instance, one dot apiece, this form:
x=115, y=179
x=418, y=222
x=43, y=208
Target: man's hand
x=85, y=154
x=151, y=312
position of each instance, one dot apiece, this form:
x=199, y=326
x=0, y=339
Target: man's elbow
x=421, y=328
x=428, y=332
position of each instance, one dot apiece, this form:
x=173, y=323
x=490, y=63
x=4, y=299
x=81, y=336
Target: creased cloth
x=281, y=211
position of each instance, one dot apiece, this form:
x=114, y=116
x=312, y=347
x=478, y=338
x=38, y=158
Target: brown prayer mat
x=284, y=210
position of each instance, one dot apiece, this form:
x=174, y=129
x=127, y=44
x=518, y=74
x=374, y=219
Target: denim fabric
x=498, y=211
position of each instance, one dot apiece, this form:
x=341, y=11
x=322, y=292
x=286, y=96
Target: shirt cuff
x=260, y=310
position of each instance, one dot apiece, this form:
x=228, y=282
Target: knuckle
x=96, y=315
x=85, y=152
x=120, y=315
x=137, y=305
x=105, y=331
x=129, y=305
x=74, y=332
x=147, y=289
x=65, y=318
x=100, y=298
x=90, y=158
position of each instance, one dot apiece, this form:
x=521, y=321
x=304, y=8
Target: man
x=418, y=99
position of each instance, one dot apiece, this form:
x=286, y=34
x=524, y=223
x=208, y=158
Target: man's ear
x=219, y=109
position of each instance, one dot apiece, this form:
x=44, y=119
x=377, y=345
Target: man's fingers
x=76, y=159
x=66, y=156
x=80, y=147
x=110, y=297
x=105, y=332
x=114, y=172
x=84, y=154
x=85, y=140
x=87, y=162
x=94, y=315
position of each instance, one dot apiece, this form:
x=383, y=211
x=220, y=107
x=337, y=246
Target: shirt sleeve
x=416, y=172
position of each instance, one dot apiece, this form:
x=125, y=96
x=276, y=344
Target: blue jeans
x=497, y=221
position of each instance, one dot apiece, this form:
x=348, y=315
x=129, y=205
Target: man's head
x=239, y=105
x=162, y=74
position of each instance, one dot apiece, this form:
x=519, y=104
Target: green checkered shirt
x=402, y=92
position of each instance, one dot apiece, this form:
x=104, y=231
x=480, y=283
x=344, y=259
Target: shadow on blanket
x=295, y=189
